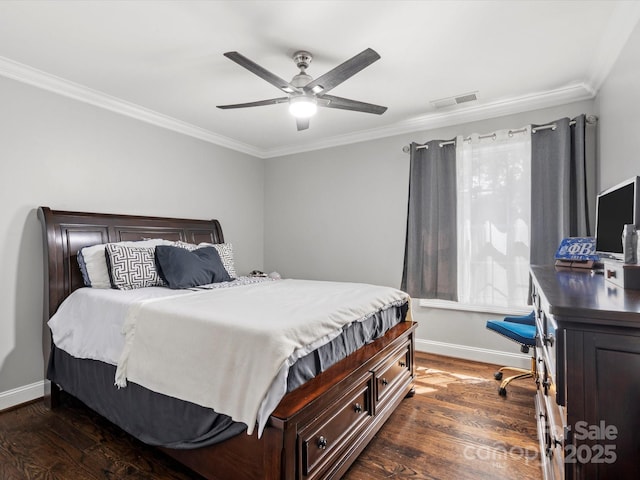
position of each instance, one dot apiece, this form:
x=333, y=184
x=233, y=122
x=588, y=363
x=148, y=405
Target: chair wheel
x=502, y=392
x=497, y=375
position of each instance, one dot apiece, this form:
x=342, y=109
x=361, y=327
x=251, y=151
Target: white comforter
x=230, y=349
x=89, y=322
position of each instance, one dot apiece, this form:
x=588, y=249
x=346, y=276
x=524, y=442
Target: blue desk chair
x=521, y=329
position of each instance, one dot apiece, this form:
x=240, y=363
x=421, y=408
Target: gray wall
x=69, y=155
x=340, y=214
x=618, y=105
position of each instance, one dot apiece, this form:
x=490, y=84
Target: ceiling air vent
x=455, y=100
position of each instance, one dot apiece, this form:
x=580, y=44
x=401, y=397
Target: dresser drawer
x=325, y=437
x=551, y=450
x=550, y=341
x=543, y=436
x=622, y=275
x=396, y=369
x=550, y=348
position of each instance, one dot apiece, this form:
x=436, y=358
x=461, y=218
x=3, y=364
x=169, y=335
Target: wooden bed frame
x=317, y=430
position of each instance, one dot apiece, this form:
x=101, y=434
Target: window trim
x=465, y=307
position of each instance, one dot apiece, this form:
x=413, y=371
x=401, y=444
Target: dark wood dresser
x=588, y=362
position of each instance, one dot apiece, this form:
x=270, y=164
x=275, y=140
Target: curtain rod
x=406, y=148
x=590, y=120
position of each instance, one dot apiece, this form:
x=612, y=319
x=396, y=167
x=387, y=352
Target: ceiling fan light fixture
x=303, y=106
x=304, y=94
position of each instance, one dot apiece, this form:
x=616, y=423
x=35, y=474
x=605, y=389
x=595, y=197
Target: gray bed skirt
x=160, y=420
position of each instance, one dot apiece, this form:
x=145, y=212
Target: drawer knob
x=357, y=408
x=385, y=382
x=402, y=363
x=322, y=443
x=611, y=273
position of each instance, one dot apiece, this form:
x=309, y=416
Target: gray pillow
x=181, y=268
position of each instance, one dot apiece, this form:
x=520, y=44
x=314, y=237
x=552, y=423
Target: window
x=494, y=218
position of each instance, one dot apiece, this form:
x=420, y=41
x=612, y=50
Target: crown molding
x=37, y=78
x=453, y=116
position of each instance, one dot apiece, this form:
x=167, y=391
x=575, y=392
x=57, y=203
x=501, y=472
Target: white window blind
x=493, y=215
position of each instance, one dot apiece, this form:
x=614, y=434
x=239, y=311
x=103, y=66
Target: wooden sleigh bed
x=316, y=431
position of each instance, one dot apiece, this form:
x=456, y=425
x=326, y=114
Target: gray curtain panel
x=430, y=259
x=562, y=187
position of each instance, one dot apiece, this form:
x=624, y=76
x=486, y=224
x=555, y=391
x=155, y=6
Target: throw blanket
x=224, y=348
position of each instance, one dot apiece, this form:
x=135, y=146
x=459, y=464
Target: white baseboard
x=466, y=352
x=20, y=395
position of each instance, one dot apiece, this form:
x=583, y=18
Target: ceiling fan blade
x=302, y=123
x=345, y=70
x=331, y=101
x=259, y=103
x=262, y=72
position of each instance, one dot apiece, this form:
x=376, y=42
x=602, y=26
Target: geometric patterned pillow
x=132, y=267
x=186, y=245
x=225, y=251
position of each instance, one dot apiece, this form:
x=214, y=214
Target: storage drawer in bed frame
x=319, y=429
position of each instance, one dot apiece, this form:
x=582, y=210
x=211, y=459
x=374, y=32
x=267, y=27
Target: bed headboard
x=65, y=233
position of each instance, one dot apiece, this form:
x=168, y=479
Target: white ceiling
x=162, y=61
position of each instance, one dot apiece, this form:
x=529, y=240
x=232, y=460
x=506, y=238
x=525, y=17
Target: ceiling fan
x=304, y=94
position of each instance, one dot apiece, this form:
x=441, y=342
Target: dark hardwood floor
x=455, y=427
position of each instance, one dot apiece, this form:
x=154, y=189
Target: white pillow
x=93, y=263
